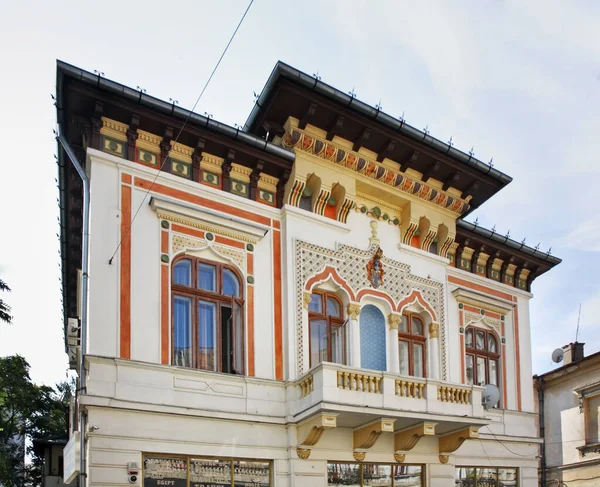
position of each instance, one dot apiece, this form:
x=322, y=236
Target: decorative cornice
x=114, y=129
x=296, y=139
x=180, y=151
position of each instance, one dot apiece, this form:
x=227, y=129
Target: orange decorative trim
x=126, y=178
x=416, y=295
x=378, y=294
x=462, y=347
x=278, y=303
x=228, y=241
x=504, y=384
x=478, y=287
x=276, y=224
x=250, y=292
x=125, y=288
x=164, y=242
x=198, y=200
x=188, y=231
x=330, y=272
x=164, y=313
x=489, y=314
x=518, y=357
x=250, y=267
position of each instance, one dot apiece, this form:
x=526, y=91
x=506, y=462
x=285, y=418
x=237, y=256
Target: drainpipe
x=540, y=388
x=84, y=296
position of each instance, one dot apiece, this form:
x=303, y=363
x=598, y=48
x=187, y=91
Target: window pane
x=207, y=333
x=592, y=410
x=417, y=326
x=231, y=284
x=408, y=475
x=507, y=476
x=465, y=477
x=418, y=366
x=338, y=344
x=333, y=307
x=493, y=365
x=210, y=472
x=492, y=346
x=403, y=356
x=254, y=473
x=182, y=331
x=207, y=277
x=469, y=338
x=480, y=338
x=377, y=475
x=486, y=477
x=403, y=324
x=481, y=380
x=318, y=342
x=346, y=474
x=469, y=367
x=316, y=304
x=165, y=471
x=238, y=335
x=182, y=273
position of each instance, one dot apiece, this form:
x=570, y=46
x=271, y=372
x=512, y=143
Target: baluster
x=378, y=380
x=340, y=379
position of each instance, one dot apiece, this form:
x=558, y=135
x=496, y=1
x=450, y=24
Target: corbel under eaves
x=407, y=439
x=452, y=441
x=365, y=437
x=313, y=429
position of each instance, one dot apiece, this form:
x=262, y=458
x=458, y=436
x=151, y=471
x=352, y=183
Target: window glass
x=481, y=371
x=182, y=331
x=469, y=367
x=346, y=474
x=493, y=365
x=238, y=335
x=418, y=366
x=182, y=272
x=469, y=338
x=207, y=331
x=338, y=343
x=404, y=324
x=486, y=477
x=377, y=475
x=165, y=471
x=403, y=356
x=251, y=473
x=207, y=277
x=408, y=475
x=592, y=411
x=480, y=339
x=417, y=326
x=333, y=307
x=316, y=304
x=507, y=476
x=231, y=284
x=206, y=471
x=492, y=346
x=318, y=342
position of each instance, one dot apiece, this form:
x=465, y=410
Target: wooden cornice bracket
x=407, y=439
x=366, y=436
x=452, y=441
x=313, y=429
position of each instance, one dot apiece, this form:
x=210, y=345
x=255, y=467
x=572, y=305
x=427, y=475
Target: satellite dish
x=557, y=355
x=490, y=397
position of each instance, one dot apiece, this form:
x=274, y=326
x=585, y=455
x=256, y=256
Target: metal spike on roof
x=450, y=143
x=352, y=93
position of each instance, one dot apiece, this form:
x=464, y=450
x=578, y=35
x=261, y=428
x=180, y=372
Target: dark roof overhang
x=289, y=91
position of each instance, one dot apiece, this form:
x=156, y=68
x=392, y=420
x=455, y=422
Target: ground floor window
x=374, y=474
x=177, y=471
x=486, y=477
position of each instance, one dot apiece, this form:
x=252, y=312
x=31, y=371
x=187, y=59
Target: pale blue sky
x=519, y=81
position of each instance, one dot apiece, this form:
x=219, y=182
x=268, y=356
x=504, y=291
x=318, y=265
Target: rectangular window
x=160, y=471
x=493, y=364
x=318, y=342
x=470, y=371
x=592, y=427
x=207, y=332
x=338, y=344
x=404, y=358
x=374, y=474
x=486, y=477
x=481, y=371
x=418, y=360
x=207, y=277
x=182, y=331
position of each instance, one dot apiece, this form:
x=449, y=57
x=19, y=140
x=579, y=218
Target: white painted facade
x=139, y=405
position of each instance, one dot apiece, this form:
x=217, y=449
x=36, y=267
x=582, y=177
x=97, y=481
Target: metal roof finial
x=472, y=151
x=352, y=93
x=426, y=129
x=378, y=106
x=99, y=73
x=537, y=247
x=476, y=222
x=494, y=228
x=491, y=163
x=141, y=90
x=523, y=241
x=508, y=234
x=549, y=251
x=450, y=143
x=208, y=115
x=316, y=76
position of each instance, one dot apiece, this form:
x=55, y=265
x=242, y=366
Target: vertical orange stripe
x=125, y=311
x=277, y=301
x=164, y=313
x=503, y=358
x=164, y=242
x=251, y=331
x=250, y=264
x=518, y=355
x=462, y=347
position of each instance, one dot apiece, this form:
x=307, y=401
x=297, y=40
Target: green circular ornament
x=164, y=224
x=112, y=145
x=250, y=247
x=164, y=258
x=363, y=209
x=250, y=280
x=147, y=156
x=210, y=236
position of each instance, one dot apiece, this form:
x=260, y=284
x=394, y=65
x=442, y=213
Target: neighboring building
x=296, y=304
x=569, y=406
x=51, y=450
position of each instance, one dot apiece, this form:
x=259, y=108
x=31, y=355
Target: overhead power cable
x=128, y=230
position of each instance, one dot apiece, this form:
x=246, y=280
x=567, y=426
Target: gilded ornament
x=399, y=457
x=444, y=459
x=306, y=298
x=434, y=330
x=375, y=270
x=394, y=320
x=303, y=453
x=359, y=456
x=353, y=310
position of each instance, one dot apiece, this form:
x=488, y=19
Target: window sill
x=590, y=448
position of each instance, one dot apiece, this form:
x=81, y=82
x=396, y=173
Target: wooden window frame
x=485, y=353
x=412, y=339
x=331, y=321
x=196, y=294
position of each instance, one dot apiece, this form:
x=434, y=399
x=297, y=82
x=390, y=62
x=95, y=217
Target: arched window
x=482, y=357
x=208, y=317
x=412, y=351
x=327, y=331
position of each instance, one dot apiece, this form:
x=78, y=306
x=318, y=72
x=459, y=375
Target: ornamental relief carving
x=473, y=318
x=350, y=264
x=181, y=243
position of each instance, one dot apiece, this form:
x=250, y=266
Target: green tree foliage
x=27, y=411
x=4, y=308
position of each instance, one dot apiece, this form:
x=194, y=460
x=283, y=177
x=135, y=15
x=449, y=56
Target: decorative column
x=306, y=297
x=433, y=350
x=394, y=320
x=353, y=310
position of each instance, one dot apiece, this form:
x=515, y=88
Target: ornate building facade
x=299, y=303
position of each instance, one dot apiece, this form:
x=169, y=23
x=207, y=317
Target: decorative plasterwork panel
x=471, y=318
x=350, y=265
x=181, y=243
x=296, y=139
